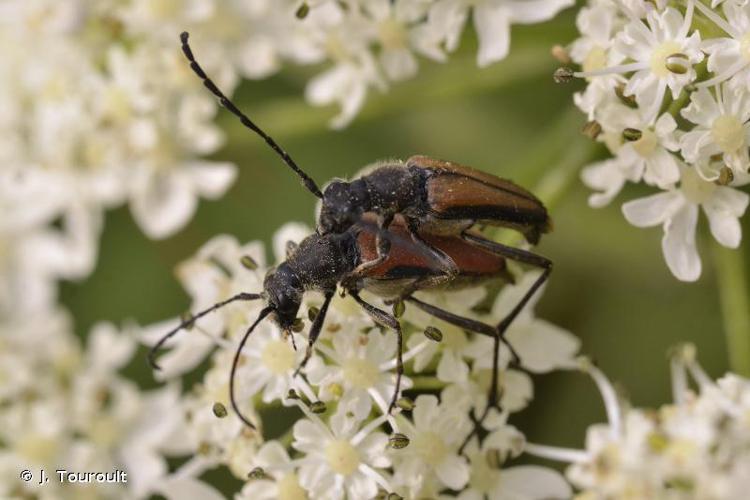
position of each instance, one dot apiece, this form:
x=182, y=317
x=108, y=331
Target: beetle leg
x=493, y=400
x=315, y=330
x=522, y=256
x=391, y=322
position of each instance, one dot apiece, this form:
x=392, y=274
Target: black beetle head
x=283, y=291
x=342, y=206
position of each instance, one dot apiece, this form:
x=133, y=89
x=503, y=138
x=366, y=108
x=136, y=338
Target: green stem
x=426, y=383
x=735, y=306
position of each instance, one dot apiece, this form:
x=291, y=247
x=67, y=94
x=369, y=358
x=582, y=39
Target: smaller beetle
x=435, y=196
x=323, y=262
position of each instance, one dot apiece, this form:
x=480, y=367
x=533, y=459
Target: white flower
x=341, y=460
x=541, y=346
x=729, y=57
x=492, y=20
x=662, y=55
x=432, y=455
x=653, y=49
x=677, y=210
x=693, y=448
x=363, y=370
x=282, y=483
x=722, y=122
x=164, y=200
x=530, y=482
x=214, y=275
x=453, y=347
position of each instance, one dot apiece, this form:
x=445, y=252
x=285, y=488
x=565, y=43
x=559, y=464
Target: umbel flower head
x=668, y=93
x=696, y=447
x=338, y=439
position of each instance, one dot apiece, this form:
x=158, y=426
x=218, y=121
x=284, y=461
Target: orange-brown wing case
x=458, y=192
x=409, y=260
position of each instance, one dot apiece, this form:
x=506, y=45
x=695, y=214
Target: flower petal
x=678, y=244
x=652, y=210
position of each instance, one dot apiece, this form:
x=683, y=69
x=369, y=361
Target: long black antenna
x=152, y=352
x=224, y=100
x=235, y=363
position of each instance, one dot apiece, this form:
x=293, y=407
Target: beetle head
x=343, y=204
x=283, y=291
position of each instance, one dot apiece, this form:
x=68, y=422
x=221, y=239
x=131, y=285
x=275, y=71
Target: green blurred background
x=610, y=285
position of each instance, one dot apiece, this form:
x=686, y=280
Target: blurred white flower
x=492, y=21
x=693, y=448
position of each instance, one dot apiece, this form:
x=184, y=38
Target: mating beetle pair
x=397, y=229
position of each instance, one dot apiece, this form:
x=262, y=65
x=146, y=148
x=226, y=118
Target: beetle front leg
x=315, y=330
x=391, y=322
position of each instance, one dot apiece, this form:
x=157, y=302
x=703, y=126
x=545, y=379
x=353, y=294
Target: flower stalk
x=735, y=306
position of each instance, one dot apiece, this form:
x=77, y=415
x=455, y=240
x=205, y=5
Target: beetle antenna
x=247, y=122
x=235, y=363
x=152, y=352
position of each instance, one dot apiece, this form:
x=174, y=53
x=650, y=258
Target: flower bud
x=627, y=100
x=433, y=334
x=399, y=308
x=592, y=129
x=563, y=75
x=248, y=263
x=298, y=325
x=678, y=63
x=726, y=176
x=406, y=404
x=561, y=54
x=318, y=407
x=257, y=473
x=302, y=11
x=398, y=441
x=219, y=410
x=312, y=313
x=631, y=134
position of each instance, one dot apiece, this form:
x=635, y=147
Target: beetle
x=324, y=262
x=439, y=197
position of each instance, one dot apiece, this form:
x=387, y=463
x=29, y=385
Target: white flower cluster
x=696, y=447
x=66, y=407
x=669, y=94
x=346, y=445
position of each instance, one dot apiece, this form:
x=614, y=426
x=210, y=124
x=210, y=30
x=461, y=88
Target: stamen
x=608, y=393
x=568, y=455
x=366, y=430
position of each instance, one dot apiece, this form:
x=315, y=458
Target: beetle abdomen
x=455, y=192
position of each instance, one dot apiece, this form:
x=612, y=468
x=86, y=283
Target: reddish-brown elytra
x=433, y=199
